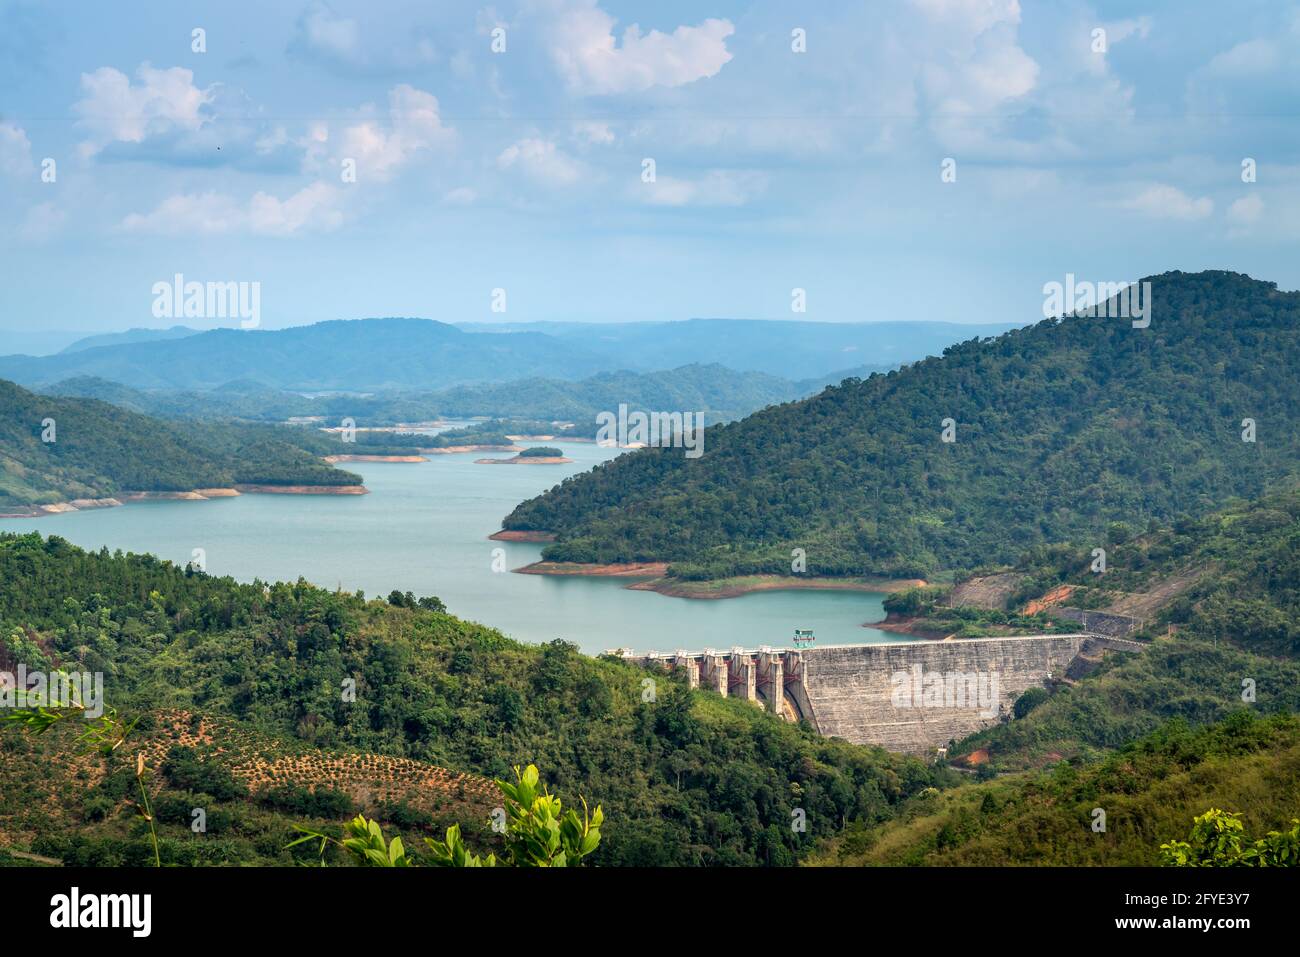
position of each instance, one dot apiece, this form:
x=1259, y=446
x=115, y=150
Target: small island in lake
x=538, y=455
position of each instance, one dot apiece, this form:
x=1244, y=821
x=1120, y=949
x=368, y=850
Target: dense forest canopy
x=720, y=393
x=1058, y=429
x=56, y=449
x=685, y=777
x=1149, y=790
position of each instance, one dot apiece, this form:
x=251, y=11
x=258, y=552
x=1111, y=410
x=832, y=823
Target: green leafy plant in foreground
x=1218, y=839
x=539, y=833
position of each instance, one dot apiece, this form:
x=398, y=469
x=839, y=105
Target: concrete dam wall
x=890, y=694
x=911, y=696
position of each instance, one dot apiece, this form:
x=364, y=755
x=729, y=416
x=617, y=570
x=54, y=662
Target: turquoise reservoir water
x=424, y=529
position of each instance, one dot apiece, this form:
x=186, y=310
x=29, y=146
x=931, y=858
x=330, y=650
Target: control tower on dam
x=908, y=696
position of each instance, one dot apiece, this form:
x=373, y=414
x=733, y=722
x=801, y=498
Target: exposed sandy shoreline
x=526, y=460
x=374, y=458
x=196, y=495
x=400, y=427
x=510, y=535
x=900, y=625
x=305, y=489
x=617, y=570
x=749, y=584
x=452, y=449
x=656, y=580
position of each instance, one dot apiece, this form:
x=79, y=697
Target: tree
x=1030, y=700
x=1218, y=839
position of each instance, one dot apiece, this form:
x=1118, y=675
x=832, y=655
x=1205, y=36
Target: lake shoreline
x=656, y=579
x=520, y=535
x=194, y=495
x=751, y=584
x=527, y=460
x=453, y=449
x=906, y=625
x=593, y=570
x=374, y=458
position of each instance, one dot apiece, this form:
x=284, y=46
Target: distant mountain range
x=790, y=348
x=721, y=394
x=1047, y=434
x=370, y=355
x=360, y=355
x=128, y=337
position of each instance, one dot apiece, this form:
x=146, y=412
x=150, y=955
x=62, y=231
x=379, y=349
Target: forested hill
x=684, y=776
x=717, y=391
x=1061, y=428
x=98, y=450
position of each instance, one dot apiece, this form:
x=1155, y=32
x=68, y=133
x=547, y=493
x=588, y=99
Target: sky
x=612, y=161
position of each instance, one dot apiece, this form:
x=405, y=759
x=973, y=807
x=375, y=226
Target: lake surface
x=424, y=529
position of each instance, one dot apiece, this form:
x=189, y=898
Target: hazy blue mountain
x=359, y=355
x=371, y=355
x=790, y=348
x=130, y=336
x=37, y=340
x=718, y=392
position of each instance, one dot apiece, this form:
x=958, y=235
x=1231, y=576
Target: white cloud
x=113, y=109
x=1121, y=30
x=541, y=161
x=207, y=214
x=1168, y=202
x=718, y=188
x=591, y=59
x=188, y=213
x=15, y=150
x=1249, y=58
x=323, y=31
x=315, y=206
x=593, y=133
x=383, y=46
x=975, y=62
x=460, y=196
x=1254, y=76
x=1246, y=210
x=414, y=127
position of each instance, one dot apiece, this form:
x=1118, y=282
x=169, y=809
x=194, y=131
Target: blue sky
x=523, y=169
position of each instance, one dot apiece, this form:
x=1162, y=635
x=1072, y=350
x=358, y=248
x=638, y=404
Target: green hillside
x=685, y=777
x=1220, y=598
x=100, y=450
x=1203, y=718
x=1061, y=429
x=720, y=393
x=1232, y=576
x=1149, y=792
